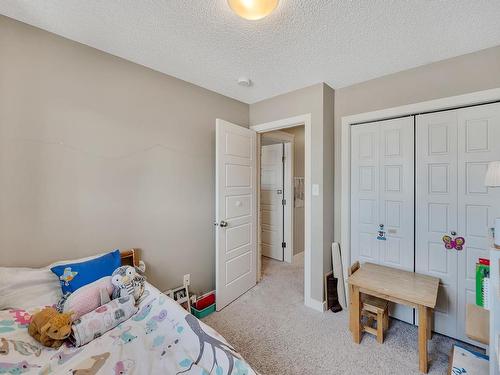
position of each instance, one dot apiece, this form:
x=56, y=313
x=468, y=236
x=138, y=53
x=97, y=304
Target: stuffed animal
x=127, y=282
x=50, y=327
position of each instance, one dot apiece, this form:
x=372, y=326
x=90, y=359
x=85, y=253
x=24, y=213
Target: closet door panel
x=396, y=207
x=436, y=210
x=364, y=192
x=478, y=205
x=396, y=192
x=382, y=188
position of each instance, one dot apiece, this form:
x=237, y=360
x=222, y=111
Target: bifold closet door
x=382, y=193
x=436, y=210
x=453, y=151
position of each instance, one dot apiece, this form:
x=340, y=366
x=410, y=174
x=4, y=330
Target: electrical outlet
x=187, y=279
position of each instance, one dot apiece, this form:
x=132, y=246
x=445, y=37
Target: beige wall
x=318, y=101
x=298, y=171
x=98, y=153
x=460, y=75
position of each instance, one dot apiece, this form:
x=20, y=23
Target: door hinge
x=283, y=202
x=283, y=245
x=282, y=159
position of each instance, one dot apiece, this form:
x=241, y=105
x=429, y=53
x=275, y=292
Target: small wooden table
x=398, y=286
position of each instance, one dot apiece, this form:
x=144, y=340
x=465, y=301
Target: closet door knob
x=222, y=224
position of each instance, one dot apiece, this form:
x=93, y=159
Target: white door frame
x=479, y=97
x=289, y=141
x=304, y=120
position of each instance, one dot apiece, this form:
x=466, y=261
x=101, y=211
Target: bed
x=161, y=338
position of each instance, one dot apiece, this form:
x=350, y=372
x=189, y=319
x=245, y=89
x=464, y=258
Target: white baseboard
x=298, y=258
x=316, y=305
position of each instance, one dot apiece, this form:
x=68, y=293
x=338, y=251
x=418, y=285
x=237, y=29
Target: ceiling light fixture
x=253, y=9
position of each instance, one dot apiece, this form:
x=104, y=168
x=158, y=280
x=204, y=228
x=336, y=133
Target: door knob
x=223, y=224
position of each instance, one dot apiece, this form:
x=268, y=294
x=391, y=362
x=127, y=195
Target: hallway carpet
x=277, y=334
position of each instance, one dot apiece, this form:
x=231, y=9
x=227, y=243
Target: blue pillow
x=75, y=275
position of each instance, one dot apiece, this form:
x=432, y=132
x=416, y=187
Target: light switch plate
x=315, y=190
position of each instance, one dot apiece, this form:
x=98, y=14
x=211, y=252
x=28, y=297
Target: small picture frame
x=181, y=296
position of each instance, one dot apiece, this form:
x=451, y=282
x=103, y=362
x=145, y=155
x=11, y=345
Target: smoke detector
x=245, y=82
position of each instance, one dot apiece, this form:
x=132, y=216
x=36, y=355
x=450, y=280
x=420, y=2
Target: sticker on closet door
x=381, y=233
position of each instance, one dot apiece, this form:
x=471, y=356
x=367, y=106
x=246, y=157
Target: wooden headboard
x=130, y=257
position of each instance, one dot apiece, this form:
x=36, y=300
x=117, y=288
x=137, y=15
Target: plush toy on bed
x=50, y=327
x=127, y=282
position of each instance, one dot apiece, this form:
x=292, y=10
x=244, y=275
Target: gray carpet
x=277, y=334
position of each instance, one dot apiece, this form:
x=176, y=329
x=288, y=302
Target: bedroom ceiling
x=302, y=42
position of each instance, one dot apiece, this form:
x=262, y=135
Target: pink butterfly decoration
x=454, y=243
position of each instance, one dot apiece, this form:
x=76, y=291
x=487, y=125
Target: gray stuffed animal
x=127, y=282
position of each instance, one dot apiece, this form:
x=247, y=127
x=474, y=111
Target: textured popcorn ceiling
x=303, y=42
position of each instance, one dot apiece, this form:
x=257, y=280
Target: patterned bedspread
x=162, y=338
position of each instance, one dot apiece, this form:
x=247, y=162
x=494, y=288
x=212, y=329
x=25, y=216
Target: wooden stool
x=375, y=310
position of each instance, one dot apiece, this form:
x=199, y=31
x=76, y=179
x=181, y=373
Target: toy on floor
x=127, y=282
x=50, y=327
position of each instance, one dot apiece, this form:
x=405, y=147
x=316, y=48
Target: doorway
x=276, y=195
x=237, y=245
x=281, y=204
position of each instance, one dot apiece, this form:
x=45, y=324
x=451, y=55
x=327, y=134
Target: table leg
x=350, y=308
x=423, y=316
x=355, y=314
x=430, y=323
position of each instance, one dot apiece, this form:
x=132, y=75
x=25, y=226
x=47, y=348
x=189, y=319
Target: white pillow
x=27, y=288
x=79, y=260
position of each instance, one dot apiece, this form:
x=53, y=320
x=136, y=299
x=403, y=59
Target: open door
x=236, y=211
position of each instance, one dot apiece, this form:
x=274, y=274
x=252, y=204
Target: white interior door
x=236, y=211
x=271, y=201
x=453, y=151
x=382, y=193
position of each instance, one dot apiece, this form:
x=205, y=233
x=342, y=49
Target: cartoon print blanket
x=161, y=338
x=94, y=324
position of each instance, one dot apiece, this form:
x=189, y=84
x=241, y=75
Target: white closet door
x=453, y=151
x=436, y=210
x=478, y=205
x=382, y=192
x=396, y=201
x=365, y=193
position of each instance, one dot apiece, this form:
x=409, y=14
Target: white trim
x=405, y=110
x=259, y=239
x=282, y=124
x=317, y=305
x=289, y=123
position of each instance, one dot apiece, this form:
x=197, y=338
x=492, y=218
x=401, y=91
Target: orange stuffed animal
x=50, y=327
